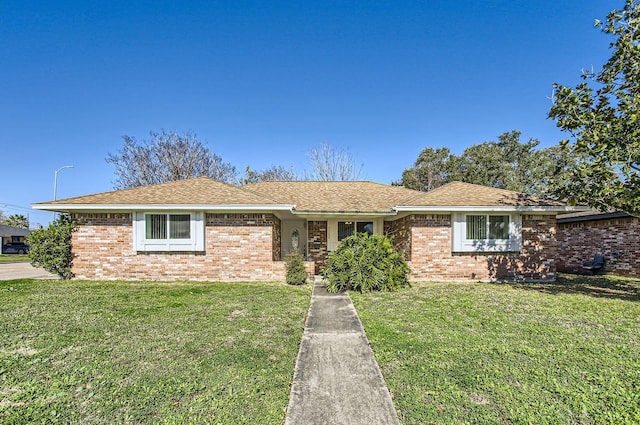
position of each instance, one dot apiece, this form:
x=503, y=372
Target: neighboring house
x=583, y=235
x=10, y=234
x=202, y=229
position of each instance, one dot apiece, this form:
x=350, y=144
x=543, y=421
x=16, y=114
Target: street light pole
x=55, y=183
x=55, y=180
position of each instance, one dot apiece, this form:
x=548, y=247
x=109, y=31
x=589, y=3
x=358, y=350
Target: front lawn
x=97, y=352
x=12, y=258
x=562, y=353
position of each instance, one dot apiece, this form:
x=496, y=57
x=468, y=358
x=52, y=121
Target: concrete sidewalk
x=337, y=380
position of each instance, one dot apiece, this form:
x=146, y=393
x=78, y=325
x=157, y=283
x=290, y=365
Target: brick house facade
x=425, y=242
x=202, y=229
x=614, y=235
x=238, y=247
x=246, y=247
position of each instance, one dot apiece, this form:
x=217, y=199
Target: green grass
x=562, y=353
x=11, y=258
x=171, y=353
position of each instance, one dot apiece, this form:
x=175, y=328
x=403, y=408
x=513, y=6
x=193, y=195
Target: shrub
x=50, y=248
x=365, y=263
x=296, y=273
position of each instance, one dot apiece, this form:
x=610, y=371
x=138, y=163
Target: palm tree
x=17, y=220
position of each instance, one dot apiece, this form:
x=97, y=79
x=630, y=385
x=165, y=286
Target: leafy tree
x=50, y=248
x=274, y=173
x=331, y=164
x=433, y=168
x=16, y=220
x=506, y=164
x=365, y=263
x=559, y=162
x=603, y=120
x=167, y=156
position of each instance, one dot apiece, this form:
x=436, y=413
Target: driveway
x=9, y=271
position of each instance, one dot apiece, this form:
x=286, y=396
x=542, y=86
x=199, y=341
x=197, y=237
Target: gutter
x=162, y=207
x=506, y=208
x=345, y=213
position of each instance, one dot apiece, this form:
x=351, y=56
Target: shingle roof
x=197, y=191
x=307, y=196
x=338, y=196
x=7, y=231
x=458, y=194
x=589, y=215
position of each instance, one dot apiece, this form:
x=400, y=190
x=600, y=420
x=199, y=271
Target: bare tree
x=273, y=173
x=167, y=156
x=330, y=164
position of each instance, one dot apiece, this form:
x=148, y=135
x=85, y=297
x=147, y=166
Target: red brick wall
x=317, y=243
x=617, y=239
x=276, y=245
x=399, y=232
x=432, y=257
x=237, y=247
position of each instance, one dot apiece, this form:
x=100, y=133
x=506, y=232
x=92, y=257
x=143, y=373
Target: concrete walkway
x=337, y=380
x=23, y=270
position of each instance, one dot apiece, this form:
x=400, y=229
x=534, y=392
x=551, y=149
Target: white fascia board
x=162, y=207
x=344, y=213
x=506, y=208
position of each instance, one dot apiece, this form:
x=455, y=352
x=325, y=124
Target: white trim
x=194, y=244
x=549, y=209
x=332, y=229
x=164, y=207
x=345, y=213
x=292, y=208
x=461, y=244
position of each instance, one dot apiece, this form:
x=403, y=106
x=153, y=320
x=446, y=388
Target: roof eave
x=489, y=208
x=344, y=213
x=163, y=207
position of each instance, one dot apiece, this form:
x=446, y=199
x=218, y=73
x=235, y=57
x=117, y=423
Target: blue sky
x=264, y=82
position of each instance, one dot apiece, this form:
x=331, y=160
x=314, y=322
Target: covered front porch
x=314, y=236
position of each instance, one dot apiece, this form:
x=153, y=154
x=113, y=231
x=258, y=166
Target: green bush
x=50, y=248
x=296, y=273
x=365, y=263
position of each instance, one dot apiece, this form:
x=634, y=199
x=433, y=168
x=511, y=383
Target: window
x=476, y=227
x=179, y=226
x=338, y=230
x=346, y=228
x=498, y=227
x=486, y=232
x=169, y=232
x=156, y=226
x=365, y=227
x=487, y=227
